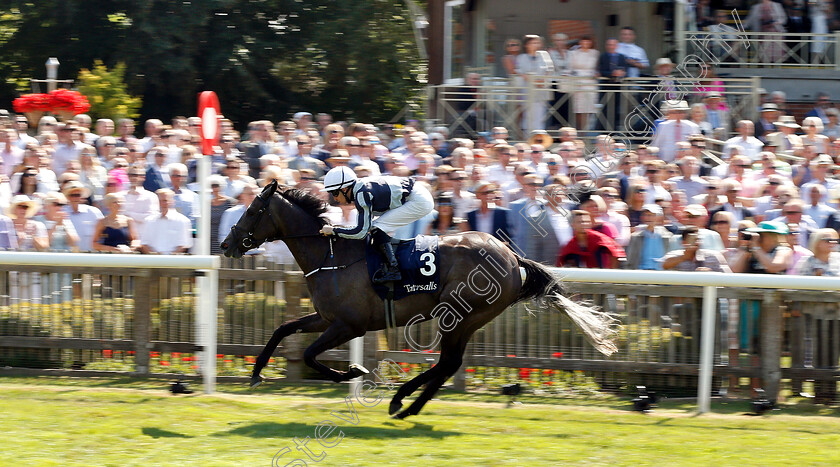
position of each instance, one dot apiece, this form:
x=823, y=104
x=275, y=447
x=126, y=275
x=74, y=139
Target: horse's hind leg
x=336, y=334
x=309, y=323
x=451, y=358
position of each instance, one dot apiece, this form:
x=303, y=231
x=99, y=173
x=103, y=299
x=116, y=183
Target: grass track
x=122, y=422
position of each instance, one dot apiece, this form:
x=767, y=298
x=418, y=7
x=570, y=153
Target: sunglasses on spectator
x=788, y=213
x=831, y=240
x=215, y=185
x=719, y=222
x=651, y=171
x=75, y=195
x=308, y=178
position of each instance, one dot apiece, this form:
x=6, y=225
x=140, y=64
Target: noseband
x=248, y=241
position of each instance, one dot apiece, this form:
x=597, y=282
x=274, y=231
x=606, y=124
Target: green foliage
x=106, y=92
x=265, y=59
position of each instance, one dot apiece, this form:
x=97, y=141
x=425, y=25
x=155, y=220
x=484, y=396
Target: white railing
x=207, y=267
x=625, y=109
x=710, y=282
x=736, y=49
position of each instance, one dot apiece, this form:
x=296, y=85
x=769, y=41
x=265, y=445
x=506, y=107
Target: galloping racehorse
x=291, y=215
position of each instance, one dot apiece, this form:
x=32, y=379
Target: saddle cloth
x=419, y=266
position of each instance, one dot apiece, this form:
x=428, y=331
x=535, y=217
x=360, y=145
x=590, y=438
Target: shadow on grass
x=288, y=430
x=159, y=433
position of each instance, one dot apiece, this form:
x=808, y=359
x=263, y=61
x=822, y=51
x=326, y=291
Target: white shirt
x=463, y=203
x=750, y=147
x=12, y=156
x=229, y=218
x=165, y=234
x=84, y=222
x=500, y=175
x=656, y=191
x=669, y=133
x=64, y=154
x=634, y=52
x=140, y=205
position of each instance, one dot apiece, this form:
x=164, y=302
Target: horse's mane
x=309, y=203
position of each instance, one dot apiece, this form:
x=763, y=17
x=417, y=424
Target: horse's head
x=251, y=230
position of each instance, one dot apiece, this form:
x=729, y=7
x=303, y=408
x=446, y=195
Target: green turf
x=121, y=422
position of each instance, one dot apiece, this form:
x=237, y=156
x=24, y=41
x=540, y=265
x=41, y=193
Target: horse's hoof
x=394, y=408
x=357, y=370
x=256, y=381
x=402, y=415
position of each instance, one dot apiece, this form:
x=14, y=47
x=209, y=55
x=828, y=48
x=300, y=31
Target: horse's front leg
x=309, y=323
x=338, y=333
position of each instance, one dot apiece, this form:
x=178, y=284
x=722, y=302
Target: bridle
x=248, y=241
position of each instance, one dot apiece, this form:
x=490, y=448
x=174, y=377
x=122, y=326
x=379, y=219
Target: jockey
x=398, y=201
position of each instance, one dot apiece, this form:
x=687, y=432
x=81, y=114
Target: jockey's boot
x=390, y=268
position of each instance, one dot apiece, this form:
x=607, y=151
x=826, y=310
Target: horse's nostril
x=224, y=245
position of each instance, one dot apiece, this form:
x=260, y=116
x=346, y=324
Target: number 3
x=428, y=260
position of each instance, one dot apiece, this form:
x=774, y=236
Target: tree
x=264, y=58
x=106, y=92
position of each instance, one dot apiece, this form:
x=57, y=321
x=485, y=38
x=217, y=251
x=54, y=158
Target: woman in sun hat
x=31, y=234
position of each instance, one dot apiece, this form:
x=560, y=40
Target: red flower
x=164, y=363
x=547, y=372
x=406, y=350
x=547, y=383
x=107, y=353
x=470, y=370
x=228, y=361
x=176, y=354
x=131, y=352
x=218, y=355
x=194, y=367
x=557, y=355
x=65, y=100
x=406, y=369
x=512, y=356
x=250, y=360
x=271, y=360
x=186, y=359
x=32, y=103
x=154, y=354
x=524, y=373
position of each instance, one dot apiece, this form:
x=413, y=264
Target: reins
x=248, y=241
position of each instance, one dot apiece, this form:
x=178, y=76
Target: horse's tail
x=599, y=327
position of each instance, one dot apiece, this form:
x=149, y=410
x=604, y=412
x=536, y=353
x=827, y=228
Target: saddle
x=419, y=267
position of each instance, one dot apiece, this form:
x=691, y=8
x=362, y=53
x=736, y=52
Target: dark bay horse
x=347, y=306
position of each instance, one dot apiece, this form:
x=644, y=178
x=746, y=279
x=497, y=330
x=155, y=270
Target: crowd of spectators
x=767, y=205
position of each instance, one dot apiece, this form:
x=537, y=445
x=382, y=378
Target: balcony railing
x=626, y=109
x=736, y=49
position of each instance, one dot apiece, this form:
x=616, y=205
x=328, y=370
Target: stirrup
x=387, y=274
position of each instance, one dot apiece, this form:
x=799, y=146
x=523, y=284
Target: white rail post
x=836, y=50
x=207, y=328
x=679, y=29
x=707, y=349
x=357, y=355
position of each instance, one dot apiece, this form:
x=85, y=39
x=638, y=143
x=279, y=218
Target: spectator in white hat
x=697, y=215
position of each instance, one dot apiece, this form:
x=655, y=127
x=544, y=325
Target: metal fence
x=626, y=109
x=736, y=49
x=110, y=323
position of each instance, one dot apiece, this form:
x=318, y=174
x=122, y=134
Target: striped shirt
x=374, y=196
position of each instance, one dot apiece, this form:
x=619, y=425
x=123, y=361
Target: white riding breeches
x=419, y=203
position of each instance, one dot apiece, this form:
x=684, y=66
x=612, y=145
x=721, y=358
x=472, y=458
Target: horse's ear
x=269, y=190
